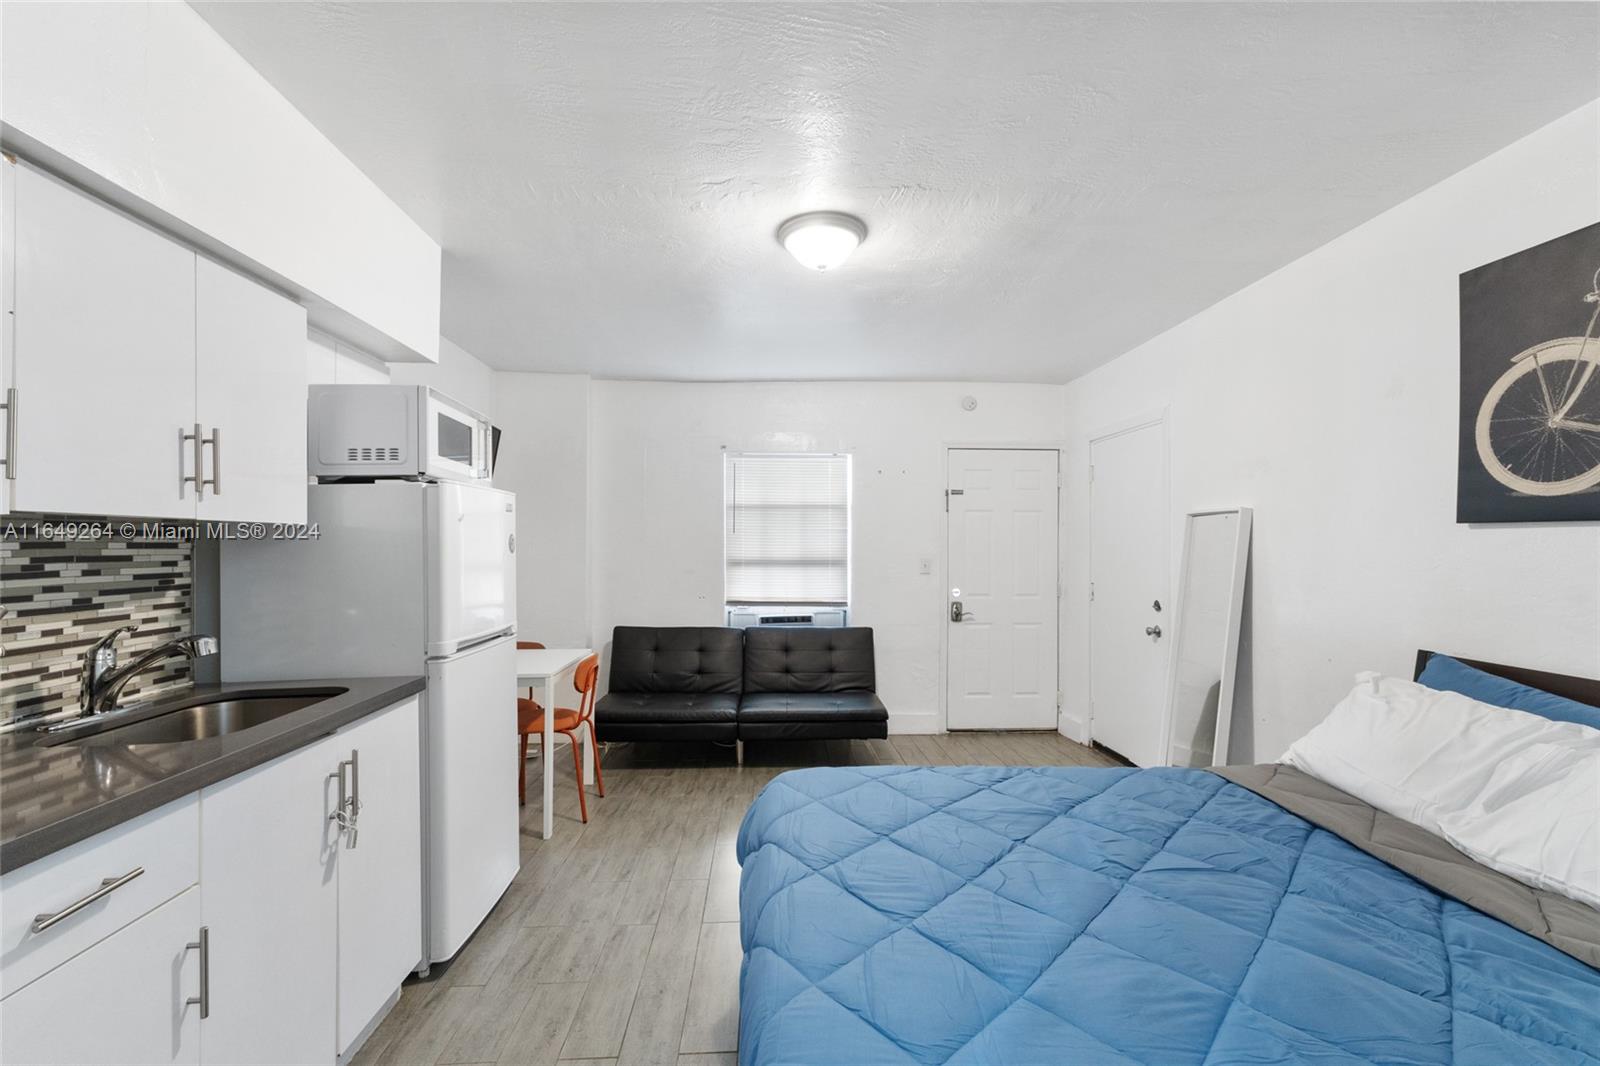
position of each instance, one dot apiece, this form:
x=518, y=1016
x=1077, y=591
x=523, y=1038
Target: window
x=786, y=529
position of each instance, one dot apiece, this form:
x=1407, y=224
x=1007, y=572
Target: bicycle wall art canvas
x=1530, y=385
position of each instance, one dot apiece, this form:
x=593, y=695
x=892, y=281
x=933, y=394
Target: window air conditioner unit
x=745, y=617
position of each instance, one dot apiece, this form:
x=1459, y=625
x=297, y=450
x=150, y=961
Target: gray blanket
x=1564, y=924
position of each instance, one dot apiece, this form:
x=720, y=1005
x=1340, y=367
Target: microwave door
x=471, y=565
x=453, y=447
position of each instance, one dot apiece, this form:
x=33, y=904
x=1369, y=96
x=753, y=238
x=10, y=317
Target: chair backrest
x=529, y=645
x=803, y=659
x=586, y=679
x=697, y=659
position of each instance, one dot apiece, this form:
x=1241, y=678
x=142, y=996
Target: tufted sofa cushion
x=679, y=659
x=783, y=659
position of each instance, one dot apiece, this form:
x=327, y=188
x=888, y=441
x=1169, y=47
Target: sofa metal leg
x=738, y=751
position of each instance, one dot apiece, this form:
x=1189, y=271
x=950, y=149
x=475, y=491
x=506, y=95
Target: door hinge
x=1058, y=700
x=1091, y=592
x=1091, y=472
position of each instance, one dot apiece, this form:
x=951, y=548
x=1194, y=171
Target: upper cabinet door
x=8, y=294
x=250, y=388
x=104, y=350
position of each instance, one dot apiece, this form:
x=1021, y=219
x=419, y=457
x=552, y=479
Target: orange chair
x=530, y=645
x=530, y=719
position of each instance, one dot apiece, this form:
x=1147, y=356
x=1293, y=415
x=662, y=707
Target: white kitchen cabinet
x=149, y=382
x=103, y=356
x=268, y=863
x=310, y=923
x=250, y=398
x=123, y=1001
x=8, y=303
x=380, y=865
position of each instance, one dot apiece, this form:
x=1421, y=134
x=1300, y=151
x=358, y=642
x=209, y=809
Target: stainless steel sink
x=199, y=721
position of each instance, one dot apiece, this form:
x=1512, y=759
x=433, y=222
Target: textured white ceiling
x=1046, y=185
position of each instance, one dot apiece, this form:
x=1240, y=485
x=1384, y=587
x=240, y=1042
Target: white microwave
x=396, y=431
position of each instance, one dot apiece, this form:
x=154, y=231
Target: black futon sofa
x=761, y=683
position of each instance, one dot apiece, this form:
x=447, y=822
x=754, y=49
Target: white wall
x=545, y=460
x=331, y=362
x=457, y=374
x=657, y=500
x=1325, y=396
x=145, y=105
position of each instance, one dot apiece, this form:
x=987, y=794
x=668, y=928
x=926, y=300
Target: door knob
x=1153, y=631
x=955, y=611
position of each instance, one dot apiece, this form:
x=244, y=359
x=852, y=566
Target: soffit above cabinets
x=145, y=106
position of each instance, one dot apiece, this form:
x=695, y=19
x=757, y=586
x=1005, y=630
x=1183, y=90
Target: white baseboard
x=1073, y=728
x=921, y=724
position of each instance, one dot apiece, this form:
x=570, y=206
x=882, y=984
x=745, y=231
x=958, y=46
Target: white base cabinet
x=380, y=866
x=308, y=906
x=267, y=899
x=123, y=1002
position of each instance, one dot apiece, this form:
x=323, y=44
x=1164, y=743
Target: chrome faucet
x=103, y=680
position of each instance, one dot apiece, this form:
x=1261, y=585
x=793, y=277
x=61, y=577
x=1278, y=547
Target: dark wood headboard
x=1582, y=689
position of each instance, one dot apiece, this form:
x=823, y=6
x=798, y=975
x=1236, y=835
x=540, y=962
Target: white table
x=540, y=668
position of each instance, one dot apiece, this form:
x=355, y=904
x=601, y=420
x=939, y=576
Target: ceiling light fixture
x=822, y=240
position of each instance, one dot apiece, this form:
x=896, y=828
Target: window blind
x=787, y=529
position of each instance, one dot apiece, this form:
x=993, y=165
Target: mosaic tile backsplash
x=61, y=593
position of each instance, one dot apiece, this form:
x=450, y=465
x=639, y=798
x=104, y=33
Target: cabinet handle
x=41, y=922
x=10, y=408
x=338, y=817
x=355, y=795
x=198, y=477
x=215, y=440
x=203, y=946
x=348, y=810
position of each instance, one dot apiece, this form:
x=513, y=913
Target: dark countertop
x=54, y=796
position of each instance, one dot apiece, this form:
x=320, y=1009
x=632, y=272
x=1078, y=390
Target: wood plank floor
x=618, y=942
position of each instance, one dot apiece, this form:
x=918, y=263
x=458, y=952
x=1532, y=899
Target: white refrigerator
x=405, y=577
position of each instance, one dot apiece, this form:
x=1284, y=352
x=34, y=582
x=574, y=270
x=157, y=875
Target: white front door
x=1129, y=613
x=1003, y=547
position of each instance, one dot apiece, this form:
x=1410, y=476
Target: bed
x=897, y=914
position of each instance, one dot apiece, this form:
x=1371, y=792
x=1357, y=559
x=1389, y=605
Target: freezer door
x=471, y=794
x=472, y=571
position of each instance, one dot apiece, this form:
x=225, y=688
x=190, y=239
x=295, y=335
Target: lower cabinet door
x=123, y=1001
x=380, y=865
x=268, y=877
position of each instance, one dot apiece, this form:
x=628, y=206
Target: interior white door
x=123, y=1002
x=250, y=397
x=1128, y=610
x=1003, y=547
x=268, y=852
x=380, y=865
x=104, y=358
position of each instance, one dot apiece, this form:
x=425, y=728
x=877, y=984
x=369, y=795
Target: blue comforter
x=895, y=914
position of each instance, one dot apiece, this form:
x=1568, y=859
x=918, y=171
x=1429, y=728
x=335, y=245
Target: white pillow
x=1517, y=792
